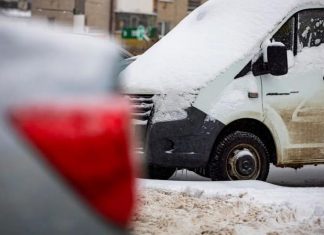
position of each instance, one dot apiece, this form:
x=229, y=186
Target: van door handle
x=253, y=95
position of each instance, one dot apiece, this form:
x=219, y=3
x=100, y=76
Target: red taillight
x=89, y=144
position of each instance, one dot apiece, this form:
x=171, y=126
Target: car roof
x=36, y=60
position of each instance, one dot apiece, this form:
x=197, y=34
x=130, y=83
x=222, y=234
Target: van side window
x=286, y=34
x=311, y=28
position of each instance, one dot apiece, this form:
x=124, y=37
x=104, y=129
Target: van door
x=294, y=103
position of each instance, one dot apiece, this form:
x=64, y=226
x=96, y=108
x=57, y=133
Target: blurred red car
x=65, y=159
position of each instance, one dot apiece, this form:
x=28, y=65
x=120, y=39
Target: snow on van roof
x=207, y=42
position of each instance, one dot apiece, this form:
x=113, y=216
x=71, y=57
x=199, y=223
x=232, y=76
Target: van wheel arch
x=252, y=126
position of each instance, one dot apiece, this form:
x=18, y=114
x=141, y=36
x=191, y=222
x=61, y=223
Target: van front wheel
x=240, y=156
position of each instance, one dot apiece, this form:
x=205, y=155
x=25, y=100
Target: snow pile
x=206, y=43
x=249, y=207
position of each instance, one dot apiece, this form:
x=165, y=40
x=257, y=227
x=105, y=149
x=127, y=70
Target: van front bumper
x=185, y=143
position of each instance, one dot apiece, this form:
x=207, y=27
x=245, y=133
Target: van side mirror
x=277, y=59
x=273, y=60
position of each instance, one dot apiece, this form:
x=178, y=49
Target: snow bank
x=191, y=206
x=248, y=207
x=206, y=43
x=260, y=191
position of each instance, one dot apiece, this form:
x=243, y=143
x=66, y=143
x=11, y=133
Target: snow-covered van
x=237, y=85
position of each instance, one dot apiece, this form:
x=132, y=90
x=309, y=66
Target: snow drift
x=246, y=207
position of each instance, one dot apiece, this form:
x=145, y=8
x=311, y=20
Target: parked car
x=234, y=88
x=65, y=161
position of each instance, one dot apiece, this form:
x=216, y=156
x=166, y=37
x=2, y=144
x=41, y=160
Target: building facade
x=119, y=17
x=23, y=5
x=97, y=13
x=171, y=12
x=129, y=17
x=100, y=15
x=57, y=11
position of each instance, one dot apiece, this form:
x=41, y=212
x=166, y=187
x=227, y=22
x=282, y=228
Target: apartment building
x=97, y=13
x=23, y=5
x=101, y=16
x=171, y=12
x=121, y=18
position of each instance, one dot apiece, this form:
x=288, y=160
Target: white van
x=233, y=88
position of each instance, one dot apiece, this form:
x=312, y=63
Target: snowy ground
x=308, y=176
x=190, y=204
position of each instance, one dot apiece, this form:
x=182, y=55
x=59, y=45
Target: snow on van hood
x=206, y=43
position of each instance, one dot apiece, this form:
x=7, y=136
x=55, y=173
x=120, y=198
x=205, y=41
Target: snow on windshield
x=206, y=43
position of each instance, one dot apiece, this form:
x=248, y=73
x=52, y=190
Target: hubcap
x=243, y=163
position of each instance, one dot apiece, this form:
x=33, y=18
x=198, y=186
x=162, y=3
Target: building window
x=193, y=4
x=126, y=20
x=163, y=28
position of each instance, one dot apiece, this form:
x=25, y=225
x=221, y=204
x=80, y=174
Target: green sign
x=139, y=33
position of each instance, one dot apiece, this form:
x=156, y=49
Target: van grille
x=142, y=106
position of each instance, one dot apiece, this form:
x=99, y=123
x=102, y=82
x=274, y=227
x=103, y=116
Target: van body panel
x=294, y=103
x=209, y=94
x=293, y=107
x=183, y=143
x=231, y=101
x=279, y=132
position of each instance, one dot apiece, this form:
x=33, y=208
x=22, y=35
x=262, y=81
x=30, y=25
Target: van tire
x=240, y=156
x=160, y=173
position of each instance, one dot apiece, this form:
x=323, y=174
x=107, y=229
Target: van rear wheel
x=240, y=156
